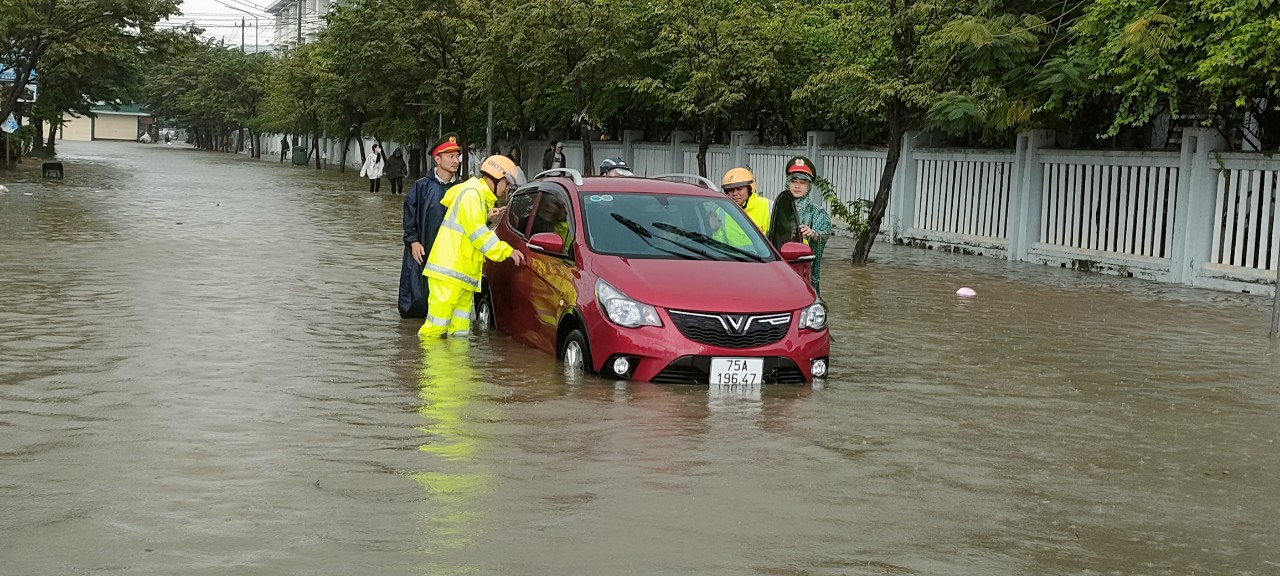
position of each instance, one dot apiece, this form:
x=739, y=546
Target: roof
x=120, y=109
x=634, y=185
x=278, y=5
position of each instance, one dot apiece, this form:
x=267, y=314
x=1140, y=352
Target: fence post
x=1026, y=195
x=814, y=143
x=738, y=142
x=678, y=138
x=1193, y=214
x=629, y=139
x=902, y=196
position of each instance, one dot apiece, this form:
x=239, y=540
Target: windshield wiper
x=706, y=240
x=645, y=235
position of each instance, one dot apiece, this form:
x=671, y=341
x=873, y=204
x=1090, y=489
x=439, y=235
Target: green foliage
x=83, y=50
x=855, y=213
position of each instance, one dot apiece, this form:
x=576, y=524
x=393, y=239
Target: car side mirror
x=796, y=252
x=549, y=243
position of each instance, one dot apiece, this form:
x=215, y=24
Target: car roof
x=634, y=185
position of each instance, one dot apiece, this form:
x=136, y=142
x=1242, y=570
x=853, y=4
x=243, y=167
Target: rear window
x=671, y=227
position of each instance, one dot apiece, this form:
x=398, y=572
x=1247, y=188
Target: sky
x=221, y=19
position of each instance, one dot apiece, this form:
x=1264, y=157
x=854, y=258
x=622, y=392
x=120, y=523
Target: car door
x=507, y=282
x=552, y=289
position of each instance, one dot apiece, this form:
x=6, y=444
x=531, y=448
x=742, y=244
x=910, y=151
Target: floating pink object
x=966, y=292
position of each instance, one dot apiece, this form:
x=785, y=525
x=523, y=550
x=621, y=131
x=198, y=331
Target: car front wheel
x=484, y=313
x=576, y=354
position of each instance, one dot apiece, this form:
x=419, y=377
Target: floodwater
x=202, y=372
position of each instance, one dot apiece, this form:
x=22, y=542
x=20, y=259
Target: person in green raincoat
x=815, y=223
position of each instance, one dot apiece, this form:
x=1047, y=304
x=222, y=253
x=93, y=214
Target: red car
x=626, y=278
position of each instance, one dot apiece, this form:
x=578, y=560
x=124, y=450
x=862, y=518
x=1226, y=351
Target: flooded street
x=202, y=372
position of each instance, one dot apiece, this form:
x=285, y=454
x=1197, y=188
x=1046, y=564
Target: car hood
x=708, y=286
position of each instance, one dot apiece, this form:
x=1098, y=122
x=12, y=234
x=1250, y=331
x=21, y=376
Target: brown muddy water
x=202, y=372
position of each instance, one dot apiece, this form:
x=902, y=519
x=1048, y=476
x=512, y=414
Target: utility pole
x=299, y=3
x=242, y=34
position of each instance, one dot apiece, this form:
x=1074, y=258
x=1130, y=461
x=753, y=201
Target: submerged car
x=634, y=278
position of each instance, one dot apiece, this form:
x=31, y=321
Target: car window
x=671, y=226
x=519, y=209
x=552, y=214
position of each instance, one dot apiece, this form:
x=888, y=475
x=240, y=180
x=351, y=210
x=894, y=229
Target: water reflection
x=456, y=478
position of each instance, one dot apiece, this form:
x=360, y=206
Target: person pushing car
x=457, y=256
x=739, y=184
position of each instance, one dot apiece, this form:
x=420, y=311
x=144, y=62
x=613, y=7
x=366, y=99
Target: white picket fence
x=965, y=193
x=1200, y=216
x=1245, y=233
x=1119, y=202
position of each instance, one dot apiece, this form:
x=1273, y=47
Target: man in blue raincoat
x=422, y=216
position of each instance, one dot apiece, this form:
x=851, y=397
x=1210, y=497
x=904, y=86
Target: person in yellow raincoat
x=457, y=256
x=740, y=185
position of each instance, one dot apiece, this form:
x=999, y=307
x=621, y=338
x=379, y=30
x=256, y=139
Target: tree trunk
x=38, y=126
x=21, y=79
x=345, y=145
x=588, y=156
x=896, y=112
x=48, y=146
x=704, y=144
x=315, y=145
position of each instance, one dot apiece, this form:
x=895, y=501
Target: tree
x=719, y=57
x=914, y=62
x=590, y=43
x=29, y=29
x=294, y=90
x=1212, y=60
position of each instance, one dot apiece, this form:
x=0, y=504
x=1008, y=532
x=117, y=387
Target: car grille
x=732, y=330
x=697, y=370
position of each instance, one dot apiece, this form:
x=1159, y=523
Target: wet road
x=202, y=372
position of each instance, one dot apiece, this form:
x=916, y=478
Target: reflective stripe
x=438, y=321
x=461, y=333
x=451, y=274
x=453, y=213
x=453, y=226
x=463, y=314
x=489, y=244
x=481, y=231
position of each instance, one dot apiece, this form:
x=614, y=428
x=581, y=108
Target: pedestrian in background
x=615, y=166
x=514, y=155
x=374, y=164
x=284, y=147
x=554, y=156
x=423, y=214
x=396, y=169
x=815, y=223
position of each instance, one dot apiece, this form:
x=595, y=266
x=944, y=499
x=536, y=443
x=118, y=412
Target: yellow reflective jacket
x=464, y=241
x=757, y=210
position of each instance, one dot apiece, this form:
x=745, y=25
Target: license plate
x=737, y=371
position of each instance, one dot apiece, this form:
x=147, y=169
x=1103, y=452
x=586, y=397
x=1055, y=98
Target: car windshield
x=671, y=226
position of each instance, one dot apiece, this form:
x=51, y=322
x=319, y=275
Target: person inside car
x=740, y=185
x=615, y=166
x=457, y=256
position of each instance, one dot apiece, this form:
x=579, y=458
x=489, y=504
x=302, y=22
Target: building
x=124, y=122
x=298, y=21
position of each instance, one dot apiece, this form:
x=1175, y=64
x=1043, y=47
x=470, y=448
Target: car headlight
x=622, y=310
x=814, y=317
